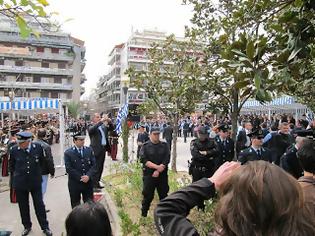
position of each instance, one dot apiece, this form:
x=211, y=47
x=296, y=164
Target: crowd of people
x=269, y=160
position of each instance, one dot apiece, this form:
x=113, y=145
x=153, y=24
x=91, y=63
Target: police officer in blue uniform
x=26, y=159
x=81, y=167
x=225, y=146
x=255, y=152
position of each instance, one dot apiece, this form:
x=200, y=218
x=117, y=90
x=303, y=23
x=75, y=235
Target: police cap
x=78, y=136
x=155, y=130
x=24, y=136
x=224, y=127
x=202, y=131
x=310, y=133
x=257, y=133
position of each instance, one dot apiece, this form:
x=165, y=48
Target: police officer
x=142, y=138
x=255, y=151
x=26, y=160
x=204, y=151
x=225, y=146
x=155, y=156
x=81, y=167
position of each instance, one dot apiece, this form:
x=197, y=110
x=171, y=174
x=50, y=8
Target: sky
x=102, y=24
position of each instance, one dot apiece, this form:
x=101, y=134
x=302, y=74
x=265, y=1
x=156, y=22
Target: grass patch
x=125, y=187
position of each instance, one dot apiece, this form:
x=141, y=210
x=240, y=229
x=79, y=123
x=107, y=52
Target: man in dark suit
x=243, y=141
x=99, y=141
x=168, y=134
x=225, y=146
x=26, y=161
x=255, y=151
x=80, y=166
x=141, y=139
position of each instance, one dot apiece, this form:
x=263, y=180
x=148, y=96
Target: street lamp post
x=11, y=97
x=125, y=131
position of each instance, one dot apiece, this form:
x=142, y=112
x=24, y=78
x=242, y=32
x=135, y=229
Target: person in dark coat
x=255, y=152
x=168, y=134
x=243, y=141
x=48, y=167
x=26, y=161
x=225, y=146
x=81, y=167
x=289, y=161
x=99, y=141
x=155, y=157
x=141, y=139
x=204, y=151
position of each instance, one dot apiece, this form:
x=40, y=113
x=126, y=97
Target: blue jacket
x=26, y=168
x=77, y=166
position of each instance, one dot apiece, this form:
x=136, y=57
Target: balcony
x=28, y=85
x=35, y=70
x=82, y=78
x=40, y=56
x=138, y=58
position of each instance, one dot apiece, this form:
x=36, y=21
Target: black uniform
x=290, y=163
x=203, y=165
x=250, y=154
x=77, y=165
x=168, y=135
x=142, y=138
x=25, y=167
x=158, y=154
x=170, y=214
x=226, y=151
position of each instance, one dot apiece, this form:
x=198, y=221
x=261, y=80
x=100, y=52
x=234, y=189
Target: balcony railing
x=28, y=85
x=43, y=56
x=35, y=70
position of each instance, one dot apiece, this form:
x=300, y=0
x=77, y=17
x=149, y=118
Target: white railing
x=26, y=69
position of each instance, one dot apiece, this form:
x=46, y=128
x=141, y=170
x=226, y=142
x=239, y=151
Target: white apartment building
x=132, y=53
x=49, y=66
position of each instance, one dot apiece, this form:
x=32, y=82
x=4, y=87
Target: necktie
x=81, y=152
x=259, y=153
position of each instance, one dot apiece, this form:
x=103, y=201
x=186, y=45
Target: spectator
x=88, y=219
x=251, y=203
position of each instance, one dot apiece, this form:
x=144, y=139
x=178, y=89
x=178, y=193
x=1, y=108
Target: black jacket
x=168, y=133
x=241, y=141
x=48, y=166
x=290, y=163
x=77, y=166
x=26, y=168
x=157, y=153
x=170, y=214
x=225, y=152
x=200, y=160
x=250, y=154
x=96, y=138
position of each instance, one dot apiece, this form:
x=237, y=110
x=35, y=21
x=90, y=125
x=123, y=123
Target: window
x=45, y=65
x=40, y=49
x=54, y=94
x=3, y=78
x=36, y=79
x=19, y=63
x=57, y=80
x=44, y=94
x=1, y=61
x=55, y=50
x=61, y=65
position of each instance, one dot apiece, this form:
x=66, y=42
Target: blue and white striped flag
x=122, y=114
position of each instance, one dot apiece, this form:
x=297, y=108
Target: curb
x=112, y=213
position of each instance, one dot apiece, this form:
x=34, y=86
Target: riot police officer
x=255, y=151
x=155, y=156
x=204, y=151
x=81, y=167
x=26, y=160
x=225, y=146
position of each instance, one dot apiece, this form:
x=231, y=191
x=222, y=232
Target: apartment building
x=49, y=66
x=133, y=53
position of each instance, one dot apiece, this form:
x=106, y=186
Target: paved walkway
x=57, y=196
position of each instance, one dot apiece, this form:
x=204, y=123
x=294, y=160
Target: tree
x=147, y=108
x=248, y=54
x=23, y=11
x=172, y=80
x=74, y=108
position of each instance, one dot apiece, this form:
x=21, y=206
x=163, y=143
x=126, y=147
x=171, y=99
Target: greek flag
x=122, y=114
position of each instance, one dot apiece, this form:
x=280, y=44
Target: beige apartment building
x=49, y=66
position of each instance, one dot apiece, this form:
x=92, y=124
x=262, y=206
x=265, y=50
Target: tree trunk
x=234, y=117
x=174, y=151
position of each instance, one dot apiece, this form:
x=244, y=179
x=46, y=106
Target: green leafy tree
x=147, y=108
x=74, y=109
x=24, y=10
x=172, y=80
x=247, y=52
